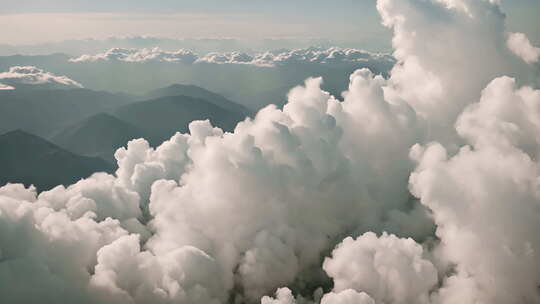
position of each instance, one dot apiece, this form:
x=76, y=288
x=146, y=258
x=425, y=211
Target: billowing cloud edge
x=267, y=59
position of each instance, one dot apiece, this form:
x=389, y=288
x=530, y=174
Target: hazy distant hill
x=42, y=112
x=161, y=118
x=99, y=135
x=29, y=159
x=200, y=93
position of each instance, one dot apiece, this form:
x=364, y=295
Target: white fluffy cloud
x=485, y=198
x=389, y=269
x=521, y=46
x=281, y=170
x=212, y=217
x=45, y=254
x=298, y=56
x=140, y=55
x=348, y=296
x=184, y=275
x=300, y=176
x=448, y=51
x=283, y=296
x=30, y=75
x=505, y=117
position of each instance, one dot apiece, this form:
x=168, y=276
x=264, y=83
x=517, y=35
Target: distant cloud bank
x=31, y=75
x=140, y=55
x=313, y=55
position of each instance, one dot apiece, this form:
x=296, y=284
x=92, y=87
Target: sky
x=352, y=21
x=61, y=20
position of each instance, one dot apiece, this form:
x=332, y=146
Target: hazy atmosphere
x=272, y=152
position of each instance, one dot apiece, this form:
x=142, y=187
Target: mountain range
x=31, y=160
x=77, y=131
x=43, y=112
x=160, y=118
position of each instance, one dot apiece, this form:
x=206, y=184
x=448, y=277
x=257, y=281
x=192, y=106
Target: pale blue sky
x=28, y=21
x=310, y=7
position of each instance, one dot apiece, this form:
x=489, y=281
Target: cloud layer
x=420, y=188
x=33, y=76
x=298, y=56
x=142, y=55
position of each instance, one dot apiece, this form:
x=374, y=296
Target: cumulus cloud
x=184, y=275
x=283, y=296
x=307, y=147
x=505, y=117
x=47, y=249
x=485, y=198
x=436, y=43
x=33, y=76
x=348, y=296
x=298, y=56
x=443, y=154
x=140, y=55
x=522, y=47
x=282, y=169
x=390, y=269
